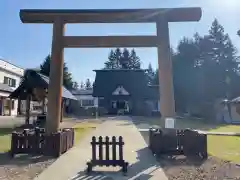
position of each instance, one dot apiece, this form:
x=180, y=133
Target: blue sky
x=26, y=45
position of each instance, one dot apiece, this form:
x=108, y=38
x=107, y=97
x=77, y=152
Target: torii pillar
x=166, y=90
x=60, y=17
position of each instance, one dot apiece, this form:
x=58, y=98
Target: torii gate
x=61, y=17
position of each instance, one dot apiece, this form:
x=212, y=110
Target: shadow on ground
x=142, y=169
x=169, y=161
x=96, y=175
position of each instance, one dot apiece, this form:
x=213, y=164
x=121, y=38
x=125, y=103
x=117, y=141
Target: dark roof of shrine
x=33, y=79
x=133, y=81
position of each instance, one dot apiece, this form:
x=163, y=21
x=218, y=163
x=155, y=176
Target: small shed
x=230, y=111
x=34, y=86
x=235, y=110
x=6, y=104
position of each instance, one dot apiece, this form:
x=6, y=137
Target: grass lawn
x=225, y=147
x=180, y=123
x=81, y=129
x=188, y=123
x=5, y=139
x=226, y=128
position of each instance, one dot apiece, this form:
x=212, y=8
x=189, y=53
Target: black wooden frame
x=113, y=145
x=178, y=142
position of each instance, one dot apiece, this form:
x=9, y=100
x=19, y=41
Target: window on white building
x=10, y=81
x=87, y=102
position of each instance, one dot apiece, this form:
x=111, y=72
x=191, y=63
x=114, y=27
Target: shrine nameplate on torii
x=61, y=17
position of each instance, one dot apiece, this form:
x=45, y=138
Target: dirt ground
x=181, y=168
x=22, y=167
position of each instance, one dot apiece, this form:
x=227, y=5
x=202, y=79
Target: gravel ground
x=25, y=167
x=22, y=167
x=180, y=168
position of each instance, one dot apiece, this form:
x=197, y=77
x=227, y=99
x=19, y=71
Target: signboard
x=95, y=102
x=169, y=123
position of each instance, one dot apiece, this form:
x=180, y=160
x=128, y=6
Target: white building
x=85, y=98
x=10, y=77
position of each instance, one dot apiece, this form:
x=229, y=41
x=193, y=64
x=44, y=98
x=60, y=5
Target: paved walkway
x=142, y=164
x=219, y=133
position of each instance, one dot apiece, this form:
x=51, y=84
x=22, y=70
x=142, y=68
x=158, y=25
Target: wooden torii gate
x=61, y=17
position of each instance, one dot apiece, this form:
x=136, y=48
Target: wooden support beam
x=167, y=102
x=10, y=107
x=109, y=41
x=28, y=106
x=43, y=105
x=19, y=109
x=3, y=105
x=110, y=15
x=56, y=79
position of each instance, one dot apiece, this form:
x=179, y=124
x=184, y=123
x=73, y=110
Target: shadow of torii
x=145, y=168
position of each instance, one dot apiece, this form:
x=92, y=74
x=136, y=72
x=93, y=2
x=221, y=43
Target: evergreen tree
x=45, y=66
x=184, y=74
x=118, y=55
x=88, y=84
x=67, y=77
x=220, y=62
x=134, y=61
x=82, y=85
x=125, y=59
x=75, y=85
x=112, y=61
x=201, y=66
x=150, y=74
x=122, y=60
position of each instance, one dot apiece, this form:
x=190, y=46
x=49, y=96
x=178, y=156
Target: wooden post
x=56, y=79
x=167, y=104
x=43, y=106
x=96, y=107
x=19, y=110
x=10, y=107
x=28, y=104
x=3, y=106
x=114, y=148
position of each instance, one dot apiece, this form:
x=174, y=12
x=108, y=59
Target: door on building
x=120, y=105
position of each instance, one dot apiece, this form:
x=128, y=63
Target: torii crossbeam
x=61, y=17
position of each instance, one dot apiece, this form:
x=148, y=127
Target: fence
x=176, y=142
x=114, y=146
x=35, y=141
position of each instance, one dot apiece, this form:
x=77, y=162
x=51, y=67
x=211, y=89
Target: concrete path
x=142, y=164
x=219, y=133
